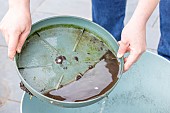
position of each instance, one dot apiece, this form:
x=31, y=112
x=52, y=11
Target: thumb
x=122, y=48
x=12, y=45
x=132, y=58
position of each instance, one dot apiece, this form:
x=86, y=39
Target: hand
x=132, y=40
x=15, y=27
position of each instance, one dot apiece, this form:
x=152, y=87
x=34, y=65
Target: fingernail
x=11, y=58
x=119, y=55
x=18, y=50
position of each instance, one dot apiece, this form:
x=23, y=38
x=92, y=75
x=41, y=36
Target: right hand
x=133, y=40
x=15, y=27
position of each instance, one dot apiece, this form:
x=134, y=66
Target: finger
x=6, y=38
x=119, y=43
x=128, y=49
x=122, y=49
x=12, y=45
x=5, y=35
x=125, y=60
x=132, y=58
x=21, y=41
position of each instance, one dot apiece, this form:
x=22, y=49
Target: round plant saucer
x=143, y=89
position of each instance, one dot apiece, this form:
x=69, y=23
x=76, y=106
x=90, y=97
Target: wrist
x=23, y=5
x=137, y=22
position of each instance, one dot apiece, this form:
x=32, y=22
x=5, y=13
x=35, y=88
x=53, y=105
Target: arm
x=133, y=38
x=16, y=25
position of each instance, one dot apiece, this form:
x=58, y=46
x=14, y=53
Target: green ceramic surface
x=143, y=89
x=57, y=36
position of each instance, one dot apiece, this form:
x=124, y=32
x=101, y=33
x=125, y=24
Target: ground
x=47, y=8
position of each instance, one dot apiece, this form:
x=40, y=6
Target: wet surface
x=59, y=59
x=91, y=84
x=72, y=52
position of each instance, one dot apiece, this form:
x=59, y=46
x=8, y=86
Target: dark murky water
x=97, y=80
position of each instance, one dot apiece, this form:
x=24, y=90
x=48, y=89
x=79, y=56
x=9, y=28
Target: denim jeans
x=164, y=43
x=110, y=15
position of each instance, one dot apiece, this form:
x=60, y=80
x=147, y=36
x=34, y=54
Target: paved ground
x=46, y=8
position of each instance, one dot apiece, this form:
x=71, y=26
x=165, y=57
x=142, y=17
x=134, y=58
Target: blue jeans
x=164, y=43
x=110, y=14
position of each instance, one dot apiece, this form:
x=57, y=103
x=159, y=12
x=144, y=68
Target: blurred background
x=10, y=92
